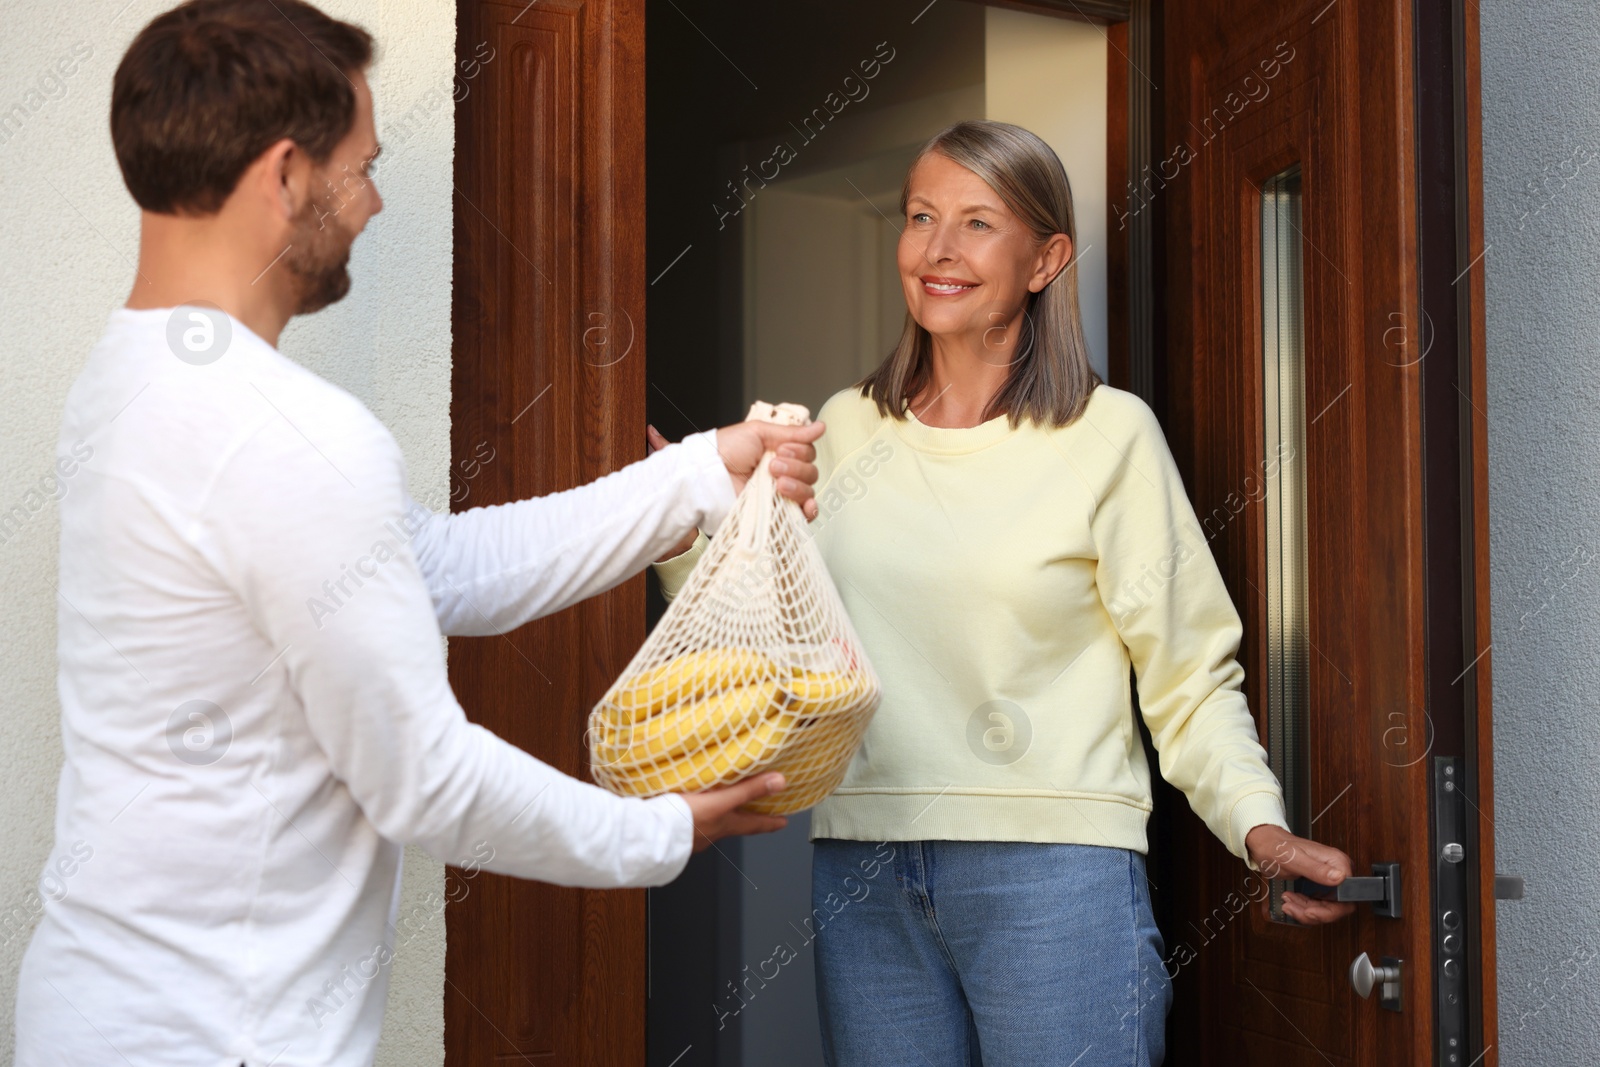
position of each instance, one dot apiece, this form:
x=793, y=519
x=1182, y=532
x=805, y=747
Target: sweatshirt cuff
x=713, y=486
x=674, y=573
x=1262, y=808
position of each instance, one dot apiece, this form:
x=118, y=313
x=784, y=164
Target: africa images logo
x=199, y=332
x=999, y=732
x=199, y=733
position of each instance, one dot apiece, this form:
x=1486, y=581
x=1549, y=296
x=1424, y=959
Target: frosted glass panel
x=1284, y=418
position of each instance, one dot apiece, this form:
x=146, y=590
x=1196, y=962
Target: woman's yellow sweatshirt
x=1002, y=582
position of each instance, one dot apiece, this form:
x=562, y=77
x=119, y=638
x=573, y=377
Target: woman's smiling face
x=967, y=263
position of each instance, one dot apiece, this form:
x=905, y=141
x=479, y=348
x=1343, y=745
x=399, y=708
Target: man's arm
x=283, y=523
x=491, y=569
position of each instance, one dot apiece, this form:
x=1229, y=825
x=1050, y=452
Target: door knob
x=1364, y=977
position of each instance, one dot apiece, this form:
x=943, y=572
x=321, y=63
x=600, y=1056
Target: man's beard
x=318, y=258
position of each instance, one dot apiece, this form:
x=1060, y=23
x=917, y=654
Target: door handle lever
x=1381, y=889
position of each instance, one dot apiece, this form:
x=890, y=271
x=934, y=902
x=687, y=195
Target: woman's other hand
x=1279, y=854
x=657, y=443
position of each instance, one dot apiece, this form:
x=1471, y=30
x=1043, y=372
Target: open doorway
x=777, y=141
x=552, y=202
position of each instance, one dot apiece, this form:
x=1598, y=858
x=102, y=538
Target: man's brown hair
x=210, y=85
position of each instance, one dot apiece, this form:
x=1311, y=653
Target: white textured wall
x=1035, y=66
x=68, y=238
x=1541, y=162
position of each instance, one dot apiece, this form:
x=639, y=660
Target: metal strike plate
x=1454, y=928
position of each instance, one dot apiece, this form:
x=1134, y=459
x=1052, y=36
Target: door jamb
x=1449, y=212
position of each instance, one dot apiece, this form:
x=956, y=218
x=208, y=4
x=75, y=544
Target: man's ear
x=284, y=174
x=1054, y=255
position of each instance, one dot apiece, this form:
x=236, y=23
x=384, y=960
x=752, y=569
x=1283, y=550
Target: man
x=255, y=708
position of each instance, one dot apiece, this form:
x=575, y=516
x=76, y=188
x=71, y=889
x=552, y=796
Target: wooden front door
x=1319, y=371
x=548, y=393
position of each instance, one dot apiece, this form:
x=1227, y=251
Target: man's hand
x=1280, y=854
x=720, y=813
x=743, y=444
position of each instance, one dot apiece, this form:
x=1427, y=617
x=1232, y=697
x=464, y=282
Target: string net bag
x=754, y=667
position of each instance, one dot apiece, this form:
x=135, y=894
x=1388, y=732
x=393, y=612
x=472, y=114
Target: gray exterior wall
x=1541, y=157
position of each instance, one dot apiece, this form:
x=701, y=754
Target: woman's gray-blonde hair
x=1050, y=378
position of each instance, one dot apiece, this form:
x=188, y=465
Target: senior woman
x=1009, y=535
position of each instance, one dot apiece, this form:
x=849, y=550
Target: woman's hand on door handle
x=1279, y=854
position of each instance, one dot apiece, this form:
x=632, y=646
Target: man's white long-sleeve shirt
x=256, y=713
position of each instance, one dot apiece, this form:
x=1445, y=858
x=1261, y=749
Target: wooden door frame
x=547, y=321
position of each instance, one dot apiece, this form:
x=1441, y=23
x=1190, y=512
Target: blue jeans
x=986, y=954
